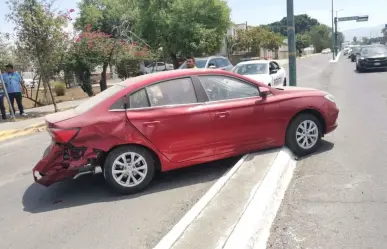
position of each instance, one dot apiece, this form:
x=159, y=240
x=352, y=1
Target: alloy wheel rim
x=307, y=134
x=129, y=169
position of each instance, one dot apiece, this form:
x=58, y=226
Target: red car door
x=237, y=111
x=170, y=116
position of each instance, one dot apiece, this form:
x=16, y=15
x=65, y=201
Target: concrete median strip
x=237, y=212
x=8, y=134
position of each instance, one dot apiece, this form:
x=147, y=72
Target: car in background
x=173, y=119
x=372, y=57
x=265, y=71
x=29, y=83
x=158, y=67
x=213, y=62
x=326, y=51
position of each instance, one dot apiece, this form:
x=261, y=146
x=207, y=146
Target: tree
x=320, y=37
x=303, y=41
x=302, y=23
x=340, y=39
x=107, y=16
x=354, y=40
x=384, y=32
x=182, y=28
x=39, y=29
x=5, y=51
x=365, y=40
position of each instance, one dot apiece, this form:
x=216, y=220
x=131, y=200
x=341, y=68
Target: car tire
x=284, y=84
x=143, y=172
x=359, y=69
x=269, y=84
x=297, y=129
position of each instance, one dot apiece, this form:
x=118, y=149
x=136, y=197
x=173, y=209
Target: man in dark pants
x=14, y=84
x=2, y=108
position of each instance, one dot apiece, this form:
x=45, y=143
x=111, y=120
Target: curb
x=8, y=134
x=251, y=228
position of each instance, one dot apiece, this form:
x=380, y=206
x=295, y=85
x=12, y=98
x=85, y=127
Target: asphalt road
x=337, y=197
x=83, y=214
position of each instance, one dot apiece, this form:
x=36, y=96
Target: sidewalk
x=34, y=121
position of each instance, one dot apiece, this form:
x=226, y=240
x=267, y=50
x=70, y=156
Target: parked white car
x=29, y=83
x=326, y=51
x=265, y=71
x=158, y=67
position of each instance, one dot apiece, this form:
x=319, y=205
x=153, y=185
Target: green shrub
x=59, y=88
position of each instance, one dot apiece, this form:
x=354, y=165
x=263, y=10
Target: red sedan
x=170, y=120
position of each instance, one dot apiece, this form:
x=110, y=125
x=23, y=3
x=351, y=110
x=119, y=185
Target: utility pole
x=291, y=44
x=333, y=35
x=336, y=34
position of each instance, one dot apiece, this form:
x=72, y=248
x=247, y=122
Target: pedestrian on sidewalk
x=15, y=86
x=191, y=62
x=2, y=107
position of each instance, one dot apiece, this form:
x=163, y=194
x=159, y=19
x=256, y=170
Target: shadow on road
x=325, y=146
x=371, y=71
x=92, y=189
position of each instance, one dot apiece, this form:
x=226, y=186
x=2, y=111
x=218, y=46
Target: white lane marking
x=253, y=229
x=169, y=240
x=337, y=58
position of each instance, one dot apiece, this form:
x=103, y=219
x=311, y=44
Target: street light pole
x=333, y=34
x=291, y=44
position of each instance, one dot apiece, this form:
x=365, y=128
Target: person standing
x=2, y=107
x=14, y=84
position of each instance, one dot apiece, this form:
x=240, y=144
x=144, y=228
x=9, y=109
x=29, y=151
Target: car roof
x=254, y=62
x=144, y=80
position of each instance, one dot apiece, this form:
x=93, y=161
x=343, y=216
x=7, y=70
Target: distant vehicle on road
x=372, y=57
x=326, y=51
x=265, y=71
x=213, y=62
x=29, y=83
x=158, y=67
x=169, y=120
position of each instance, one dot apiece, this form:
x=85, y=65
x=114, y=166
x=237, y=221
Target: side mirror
x=273, y=71
x=263, y=92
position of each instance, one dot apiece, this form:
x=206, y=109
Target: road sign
x=348, y=18
x=362, y=19
x=353, y=18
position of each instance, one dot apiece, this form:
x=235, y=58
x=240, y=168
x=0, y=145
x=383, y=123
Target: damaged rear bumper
x=61, y=162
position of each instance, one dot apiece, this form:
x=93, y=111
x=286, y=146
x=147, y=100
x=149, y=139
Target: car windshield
x=251, y=69
x=97, y=99
x=374, y=50
x=200, y=63
x=356, y=49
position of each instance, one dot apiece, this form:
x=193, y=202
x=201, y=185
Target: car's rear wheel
x=129, y=169
x=304, y=134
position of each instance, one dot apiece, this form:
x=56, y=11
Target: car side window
x=138, y=100
x=276, y=66
x=220, y=62
x=226, y=88
x=227, y=62
x=159, y=64
x=212, y=62
x=172, y=92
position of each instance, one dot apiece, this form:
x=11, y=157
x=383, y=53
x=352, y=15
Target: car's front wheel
x=304, y=134
x=359, y=69
x=129, y=169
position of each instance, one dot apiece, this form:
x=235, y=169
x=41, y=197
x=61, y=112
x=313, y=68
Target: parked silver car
x=219, y=62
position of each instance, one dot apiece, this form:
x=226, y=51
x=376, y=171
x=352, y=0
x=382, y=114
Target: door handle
x=222, y=114
x=152, y=123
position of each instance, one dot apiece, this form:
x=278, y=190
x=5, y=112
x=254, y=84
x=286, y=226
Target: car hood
x=294, y=89
x=264, y=78
x=375, y=56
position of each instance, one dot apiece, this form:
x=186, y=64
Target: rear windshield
x=200, y=63
x=97, y=99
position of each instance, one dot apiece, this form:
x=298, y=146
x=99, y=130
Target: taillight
x=63, y=135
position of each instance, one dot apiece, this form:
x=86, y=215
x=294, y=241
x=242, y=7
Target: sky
x=256, y=12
